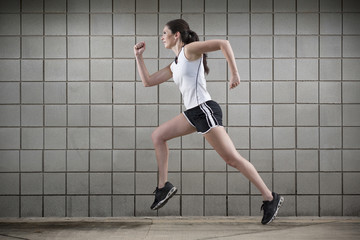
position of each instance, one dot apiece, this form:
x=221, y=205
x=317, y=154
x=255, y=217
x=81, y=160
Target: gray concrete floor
x=188, y=228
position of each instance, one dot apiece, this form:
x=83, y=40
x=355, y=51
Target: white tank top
x=190, y=78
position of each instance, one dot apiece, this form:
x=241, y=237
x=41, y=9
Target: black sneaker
x=162, y=195
x=271, y=208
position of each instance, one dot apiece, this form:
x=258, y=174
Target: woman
x=202, y=115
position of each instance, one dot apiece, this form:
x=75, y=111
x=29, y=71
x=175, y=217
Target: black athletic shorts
x=205, y=116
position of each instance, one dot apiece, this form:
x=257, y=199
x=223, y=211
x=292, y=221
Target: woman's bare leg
x=176, y=127
x=221, y=142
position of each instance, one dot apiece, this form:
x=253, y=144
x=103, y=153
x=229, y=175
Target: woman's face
x=168, y=38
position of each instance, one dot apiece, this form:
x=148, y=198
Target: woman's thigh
x=176, y=127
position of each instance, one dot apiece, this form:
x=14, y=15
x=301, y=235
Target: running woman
x=202, y=114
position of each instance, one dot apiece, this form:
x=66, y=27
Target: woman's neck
x=177, y=48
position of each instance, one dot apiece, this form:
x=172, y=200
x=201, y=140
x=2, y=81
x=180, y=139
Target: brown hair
x=187, y=35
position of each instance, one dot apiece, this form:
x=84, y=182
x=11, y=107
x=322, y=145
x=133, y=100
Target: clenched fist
x=139, y=48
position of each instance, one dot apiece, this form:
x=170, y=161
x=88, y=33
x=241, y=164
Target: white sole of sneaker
x=170, y=194
x=277, y=209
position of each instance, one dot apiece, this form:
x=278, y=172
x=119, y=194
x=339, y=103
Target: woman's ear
x=177, y=35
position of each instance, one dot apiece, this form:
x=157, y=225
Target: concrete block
x=32, y=70
x=32, y=24
x=330, y=46
x=9, y=161
x=31, y=138
x=54, y=160
x=9, y=206
x=55, y=115
x=215, y=205
x=54, y=183
x=9, y=70
x=285, y=23
x=192, y=183
x=351, y=137
x=101, y=138
x=239, y=136
x=330, y=115
x=77, y=183
x=237, y=184
x=307, y=69
x=330, y=23
x=10, y=183
x=55, y=92
x=307, y=23
x=78, y=47
x=101, y=24
x=307, y=205
x=147, y=115
x=100, y=206
x=261, y=137
x=143, y=137
x=284, y=69
x=215, y=183
x=238, y=115
x=192, y=160
x=284, y=183
x=261, y=47
x=101, y=115
x=31, y=183
x=10, y=47
x=261, y=92
x=307, y=114
x=123, y=206
x=77, y=206
x=32, y=47
x=55, y=70
x=31, y=206
x=100, y=160
x=350, y=160
x=192, y=205
x=55, y=138
x=124, y=92
x=77, y=160
x=284, y=115
x=307, y=92
x=100, y=183
x=307, y=137
x=330, y=137
x=261, y=24
x=101, y=92
x=146, y=24
x=123, y=24
x=124, y=115
x=77, y=24
x=241, y=49
x=330, y=92
x=30, y=6
x=284, y=137
x=123, y=160
x=284, y=160
x=330, y=183
x=307, y=183
x=55, y=47
x=330, y=160
x=261, y=69
x=146, y=160
x=350, y=92
x=55, y=24
x=169, y=6
x=330, y=205
x=142, y=206
x=330, y=69
x=307, y=6
x=238, y=24
x=261, y=159
x=124, y=69
x=54, y=206
x=261, y=115
x=350, y=183
x=78, y=92
x=213, y=162
x=145, y=183
x=307, y=46
x=10, y=92
x=217, y=73
x=307, y=160
x=240, y=95
x=284, y=46
x=146, y=95
x=195, y=21
x=284, y=92
x=101, y=47
x=9, y=115
x=78, y=138
x=55, y=6
x=330, y=5
x=350, y=207
x=350, y=25
x=78, y=115
x=124, y=138
x=215, y=24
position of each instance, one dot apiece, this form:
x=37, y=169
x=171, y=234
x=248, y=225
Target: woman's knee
x=157, y=137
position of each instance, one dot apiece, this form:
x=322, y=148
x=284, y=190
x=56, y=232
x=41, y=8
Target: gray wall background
x=75, y=120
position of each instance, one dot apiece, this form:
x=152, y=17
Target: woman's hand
x=234, y=81
x=139, y=48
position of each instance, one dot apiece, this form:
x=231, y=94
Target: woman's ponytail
x=187, y=36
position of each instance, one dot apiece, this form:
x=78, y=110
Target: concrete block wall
x=75, y=120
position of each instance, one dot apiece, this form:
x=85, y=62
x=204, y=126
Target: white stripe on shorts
x=209, y=117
